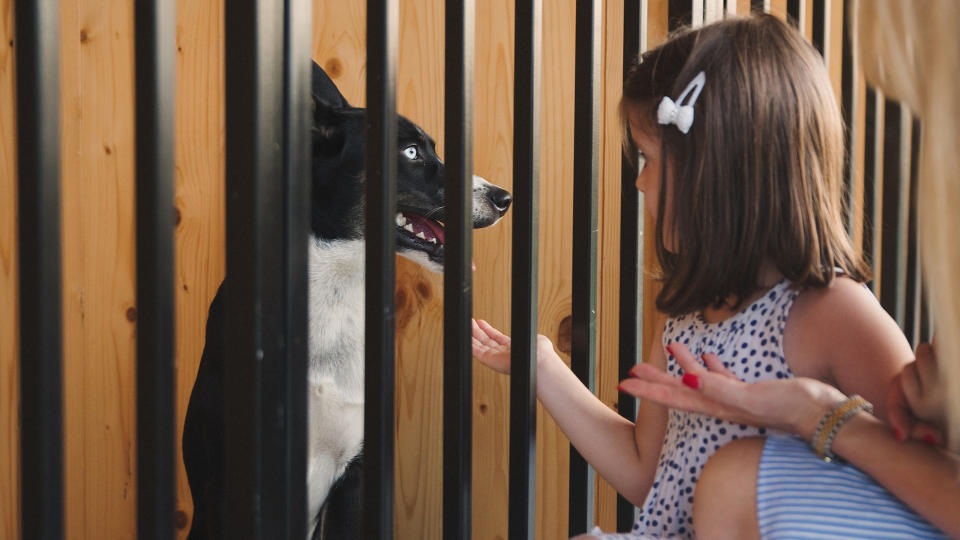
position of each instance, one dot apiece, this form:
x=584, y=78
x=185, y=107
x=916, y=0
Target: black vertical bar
x=262, y=240
x=586, y=129
x=526, y=215
x=896, y=200
x=679, y=14
x=850, y=101
x=793, y=13
x=756, y=6
x=872, y=182
x=631, y=226
x=819, y=35
x=381, y=166
x=457, y=279
x=912, y=315
x=154, y=27
x=297, y=161
x=38, y=204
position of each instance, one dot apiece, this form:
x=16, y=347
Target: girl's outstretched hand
x=794, y=405
x=491, y=347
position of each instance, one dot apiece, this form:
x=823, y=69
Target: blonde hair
x=911, y=52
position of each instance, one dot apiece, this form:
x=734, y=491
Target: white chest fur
x=335, y=398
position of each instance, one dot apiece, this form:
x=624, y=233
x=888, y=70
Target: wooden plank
x=608, y=298
x=98, y=259
x=9, y=365
x=199, y=200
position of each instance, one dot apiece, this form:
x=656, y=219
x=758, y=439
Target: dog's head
x=338, y=180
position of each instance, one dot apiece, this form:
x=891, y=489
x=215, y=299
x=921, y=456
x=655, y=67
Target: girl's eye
x=411, y=152
x=641, y=161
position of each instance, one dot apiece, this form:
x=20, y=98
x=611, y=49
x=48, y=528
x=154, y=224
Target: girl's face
x=648, y=162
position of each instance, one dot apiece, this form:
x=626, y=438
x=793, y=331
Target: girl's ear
x=328, y=136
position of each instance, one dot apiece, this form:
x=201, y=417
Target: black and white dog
x=336, y=314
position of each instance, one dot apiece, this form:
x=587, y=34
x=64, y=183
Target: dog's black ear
x=324, y=90
x=328, y=135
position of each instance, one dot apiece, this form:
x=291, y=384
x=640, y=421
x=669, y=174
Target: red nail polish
x=669, y=350
x=899, y=434
x=691, y=380
x=620, y=388
x=930, y=438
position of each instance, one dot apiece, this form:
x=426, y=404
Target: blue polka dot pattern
x=749, y=343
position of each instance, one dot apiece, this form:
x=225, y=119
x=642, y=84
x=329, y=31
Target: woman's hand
x=917, y=401
x=492, y=348
x=795, y=405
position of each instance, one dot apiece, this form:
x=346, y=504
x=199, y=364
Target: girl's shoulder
x=840, y=329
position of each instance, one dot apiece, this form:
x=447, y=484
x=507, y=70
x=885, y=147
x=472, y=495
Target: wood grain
x=9, y=367
x=99, y=310
x=198, y=199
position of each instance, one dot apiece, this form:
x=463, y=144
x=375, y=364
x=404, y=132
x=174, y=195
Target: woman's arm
x=623, y=453
x=925, y=477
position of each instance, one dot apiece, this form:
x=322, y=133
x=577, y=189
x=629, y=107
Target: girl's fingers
x=493, y=333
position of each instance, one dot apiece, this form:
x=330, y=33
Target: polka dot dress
x=750, y=345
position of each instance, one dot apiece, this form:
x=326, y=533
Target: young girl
x=740, y=150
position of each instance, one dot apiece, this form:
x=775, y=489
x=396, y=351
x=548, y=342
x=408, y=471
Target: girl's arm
x=623, y=453
x=841, y=335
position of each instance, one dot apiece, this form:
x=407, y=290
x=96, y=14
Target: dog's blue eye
x=411, y=152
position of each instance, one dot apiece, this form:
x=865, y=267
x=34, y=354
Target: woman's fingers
x=685, y=358
x=668, y=395
x=715, y=364
x=898, y=410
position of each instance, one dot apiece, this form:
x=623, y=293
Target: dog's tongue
x=427, y=226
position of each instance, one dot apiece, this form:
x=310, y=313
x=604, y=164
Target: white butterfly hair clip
x=670, y=112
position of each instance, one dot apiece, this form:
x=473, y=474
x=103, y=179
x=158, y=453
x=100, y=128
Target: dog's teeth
x=433, y=240
x=401, y=221
x=408, y=227
x=421, y=236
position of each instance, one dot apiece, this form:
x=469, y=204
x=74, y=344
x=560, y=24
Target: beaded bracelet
x=832, y=421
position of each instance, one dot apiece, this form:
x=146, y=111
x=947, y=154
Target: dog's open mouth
x=418, y=232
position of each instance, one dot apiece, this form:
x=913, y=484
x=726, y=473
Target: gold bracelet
x=832, y=421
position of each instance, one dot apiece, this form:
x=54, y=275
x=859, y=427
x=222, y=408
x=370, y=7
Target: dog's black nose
x=501, y=199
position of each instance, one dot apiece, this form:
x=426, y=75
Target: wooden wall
x=99, y=307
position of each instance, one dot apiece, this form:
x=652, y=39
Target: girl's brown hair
x=760, y=173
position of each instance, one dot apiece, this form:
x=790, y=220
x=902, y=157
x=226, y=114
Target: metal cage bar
x=381, y=193
x=155, y=67
x=895, y=208
x=631, y=255
x=912, y=277
x=583, y=357
x=457, y=273
x=38, y=200
x=873, y=183
x=850, y=104
x=526, y=211
x=264, y=387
